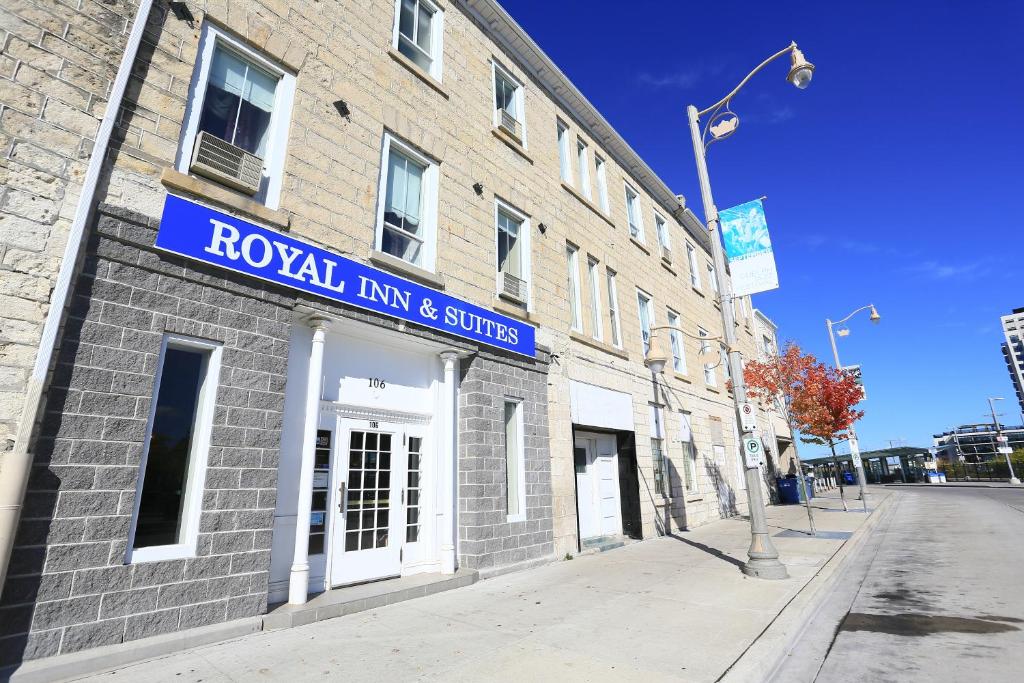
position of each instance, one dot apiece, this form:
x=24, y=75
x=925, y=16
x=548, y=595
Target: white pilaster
x=447, y=505
x=298, y=581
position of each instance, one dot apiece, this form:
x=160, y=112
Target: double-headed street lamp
x=999, y=434
x=854, y=446
x=762, y=557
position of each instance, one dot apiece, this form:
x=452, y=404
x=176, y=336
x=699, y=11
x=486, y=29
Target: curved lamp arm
x=792, y=46
x=862, y=308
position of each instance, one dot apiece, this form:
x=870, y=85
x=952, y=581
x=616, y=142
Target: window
x=689, y=450
x=691, y=256
x=713, y=279
x=636, y=223
x=165, y=524
x=662, y=228
x=515, y=477
x=705, y=349
x=602, y=183
x=643, y=302
x=572, y=261
x=513, y=251
x=509, y=109
x=595, y=299
x=418, y=32
x=658, y=451
x=724, y=355
x=412, y=491
x=767, y=346
x=245, y=100
x=581, y=159
x=676, y=338
x=745, y=303
x=563, y=153
x=407, y=214
x=613, y=310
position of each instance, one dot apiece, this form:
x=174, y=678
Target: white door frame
x=590, y=441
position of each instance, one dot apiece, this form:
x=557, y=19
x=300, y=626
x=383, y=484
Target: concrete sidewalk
x=674, y=608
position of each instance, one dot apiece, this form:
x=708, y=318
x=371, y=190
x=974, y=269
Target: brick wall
x=68, y=587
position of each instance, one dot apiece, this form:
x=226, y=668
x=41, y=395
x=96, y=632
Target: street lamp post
x=861, y=477
x=762, y=557
x=999, y=433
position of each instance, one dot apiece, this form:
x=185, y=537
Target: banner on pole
x=748, y=248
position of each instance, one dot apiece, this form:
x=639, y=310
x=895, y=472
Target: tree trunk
x=839, y=475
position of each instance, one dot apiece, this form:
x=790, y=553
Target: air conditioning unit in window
x=666, y=254
x=508, y=123
x=513, y=287
x=227, y=164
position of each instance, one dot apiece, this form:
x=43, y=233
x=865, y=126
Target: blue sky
x=890, y=180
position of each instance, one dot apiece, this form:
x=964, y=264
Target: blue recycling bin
x=849, y=478
x=789, y=491
x=810, y=486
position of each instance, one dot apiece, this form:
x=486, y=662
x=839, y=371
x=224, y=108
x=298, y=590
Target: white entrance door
x=597, y=485
x=369, y=511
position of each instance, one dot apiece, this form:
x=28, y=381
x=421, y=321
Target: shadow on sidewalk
x=708, y=549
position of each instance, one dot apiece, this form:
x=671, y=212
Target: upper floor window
x=663, y=237
x=512, y=228
x=646, y=311
x=658, y=450
x=236, y=121
x=564, y=162
x=509, y=109
x=675, y=336
x=705, y=349
x=602, y=182
x=407, y=214
x=633, y=213
x=596, y=321
x=613, y=310
x=573, y=264
x=418, y=33
x=713, y=277
x=691, y=256
x=581, y=158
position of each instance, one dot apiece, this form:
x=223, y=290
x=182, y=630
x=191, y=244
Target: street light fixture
x=721, y=122
x=842, y=332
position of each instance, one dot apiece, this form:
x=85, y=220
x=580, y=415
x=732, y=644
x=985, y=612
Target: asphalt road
x=935, y=594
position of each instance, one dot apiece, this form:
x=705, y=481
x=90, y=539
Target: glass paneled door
x=370, y=505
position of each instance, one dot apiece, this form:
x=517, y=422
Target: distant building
x=975, y=442
x=1013, y=350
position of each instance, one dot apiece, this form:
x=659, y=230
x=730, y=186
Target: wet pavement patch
x=922, y=624
x=903, y=597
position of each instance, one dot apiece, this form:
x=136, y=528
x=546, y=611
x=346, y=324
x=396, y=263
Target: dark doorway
x=629, y=486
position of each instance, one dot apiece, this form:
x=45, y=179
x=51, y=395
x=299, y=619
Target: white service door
x=597, y=485
x=607, y=466
x=369, y=514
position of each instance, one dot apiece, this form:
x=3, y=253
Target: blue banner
x=201, y=233
x=748, y=248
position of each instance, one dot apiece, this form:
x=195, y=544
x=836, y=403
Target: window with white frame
x=515, y=465
x=675, y=336
x=661, y=485
x=633, y=213
x=691, y=256
x=564, y=162
x=724, y=354
x=689, y=450
x=584, y=165
x=407, y=212
x=236, y=121
x=646, y=312
x=705, y=351
x=602, y=182
x=613, y=310
x=572, y=259
x=596, y=321
x=168, y=501
x=713, y=279
x=509, y=106
x=513, y=251
x=662, y=228
x=419, y=31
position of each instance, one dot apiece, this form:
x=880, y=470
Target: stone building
x=301, y=295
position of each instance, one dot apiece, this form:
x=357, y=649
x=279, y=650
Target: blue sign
x=749, y=249
x=201, y=233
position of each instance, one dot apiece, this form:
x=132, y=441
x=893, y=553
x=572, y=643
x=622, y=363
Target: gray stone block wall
x=68, y=587
x=487, y=541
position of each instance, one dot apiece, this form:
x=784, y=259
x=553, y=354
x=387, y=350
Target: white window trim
x=602, y=182
x=429, y=198
x=677, y=337
x=524, y=249
x=663, y=237
x=613, y=305
x=583, y=161
x=650, y=318
x=520, y=97
x=198, y=455
x=284, y=95
x=691, y=256
x=564, y=153
x=521, y=456
x=703, y=334
x=436, y=37
x=638, y=213
x=596, y=310
x=573, y=253
x=689, y=452
x=716, y=286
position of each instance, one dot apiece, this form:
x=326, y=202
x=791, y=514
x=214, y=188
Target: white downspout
x=16, y=465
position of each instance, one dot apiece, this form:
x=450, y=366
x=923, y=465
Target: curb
x=959, y=485
x=763, y=657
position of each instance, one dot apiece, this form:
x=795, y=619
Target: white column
x=447, y=505
x=298, y=581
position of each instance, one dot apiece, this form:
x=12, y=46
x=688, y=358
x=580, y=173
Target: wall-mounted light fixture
x=342, y=107
x=478, y=188
x=543, y=228
x=182, y=13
